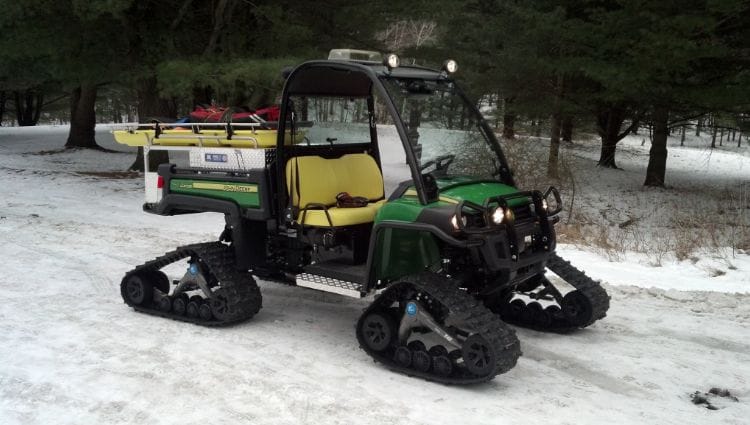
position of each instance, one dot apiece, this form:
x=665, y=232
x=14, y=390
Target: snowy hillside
x=73, y=353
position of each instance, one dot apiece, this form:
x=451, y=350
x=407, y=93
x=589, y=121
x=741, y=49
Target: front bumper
x=520, y=253
x=520, y=247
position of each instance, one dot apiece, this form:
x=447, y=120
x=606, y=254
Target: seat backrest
x=316, y=180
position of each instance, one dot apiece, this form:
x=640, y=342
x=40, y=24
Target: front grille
x=523, y=213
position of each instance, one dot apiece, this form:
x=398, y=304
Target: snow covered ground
x=686, y=230
x=73, y=353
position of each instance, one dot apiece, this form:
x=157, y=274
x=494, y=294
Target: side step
x=330, y=284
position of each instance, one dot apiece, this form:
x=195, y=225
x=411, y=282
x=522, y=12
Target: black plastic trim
x=173, y=204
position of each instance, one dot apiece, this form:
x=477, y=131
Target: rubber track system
x=463, y=311
x=590, y=294
x=239, y=291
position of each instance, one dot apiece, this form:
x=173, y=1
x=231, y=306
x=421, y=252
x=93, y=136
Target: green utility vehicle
x=384, y=183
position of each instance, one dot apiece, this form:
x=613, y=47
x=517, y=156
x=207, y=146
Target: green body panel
x=478, y=192
x=402, y=252
x=405, y=209
x=244, y=194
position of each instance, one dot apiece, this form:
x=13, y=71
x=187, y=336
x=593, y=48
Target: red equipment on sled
x=213, y=113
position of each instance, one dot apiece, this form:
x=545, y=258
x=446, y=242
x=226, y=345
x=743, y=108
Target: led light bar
x=355, y=55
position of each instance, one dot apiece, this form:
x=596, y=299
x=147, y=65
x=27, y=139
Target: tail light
x=159, y=182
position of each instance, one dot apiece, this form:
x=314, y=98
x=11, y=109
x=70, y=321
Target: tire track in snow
x=578, y=369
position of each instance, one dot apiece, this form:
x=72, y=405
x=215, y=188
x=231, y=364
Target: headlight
x=454, y=222
x=498, y=215
x=392, y=61
x=450, y=66
x=544, y=205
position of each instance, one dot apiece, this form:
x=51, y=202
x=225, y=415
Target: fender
x=400, y=248
x=175, y=204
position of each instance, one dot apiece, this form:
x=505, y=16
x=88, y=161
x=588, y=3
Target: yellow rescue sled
x=240, y=135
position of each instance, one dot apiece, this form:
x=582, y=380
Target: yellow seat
x=313, y=183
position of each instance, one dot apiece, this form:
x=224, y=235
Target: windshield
x=443, y=130
x=327, y=120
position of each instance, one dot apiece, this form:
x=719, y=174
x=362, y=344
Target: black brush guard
x=505, y=246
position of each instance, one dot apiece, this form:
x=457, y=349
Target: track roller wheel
x=479, y=358
x=538, y=315
x=416, y=346
x=159, y=280
x=165, y=304
x=577, y=308
x=204, y=311
x=378, y=330
x=421, y=361
x=191, y=309
x=455, y=355
x=137, y=289
x=437, y=351
x=218, y=305
x=403, y=356
x=513, y=310
x=553, y=312
x=527, y=315
x=179, y=304
x=442, y=365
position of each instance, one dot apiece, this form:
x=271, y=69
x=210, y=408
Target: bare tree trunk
x=554, y=147
x=636, y=125
x=698, y=127
x=509, y=120
x=682, y=136
x=3, y=99
x=115, y=111
x=609, y=121
x=180, y=14
x=739, y=140
x=713, y=136
x=222, y=16
x=150, y=105
x=28, y=107
x=721, y=137
x=154, y=159
x=566, y=131
x=657, y=158
x=82, y=118
x=555, y=127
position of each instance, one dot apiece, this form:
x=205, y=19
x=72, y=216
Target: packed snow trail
x=74, y=353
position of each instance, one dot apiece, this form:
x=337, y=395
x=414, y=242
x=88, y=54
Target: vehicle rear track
x=555, y=318
x=237, y=293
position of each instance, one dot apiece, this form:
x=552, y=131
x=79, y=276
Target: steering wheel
x=441, y=163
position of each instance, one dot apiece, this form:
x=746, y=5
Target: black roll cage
x=373, y=72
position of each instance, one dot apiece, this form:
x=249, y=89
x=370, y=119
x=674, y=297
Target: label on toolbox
x=216, y=157
x=227, y=159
